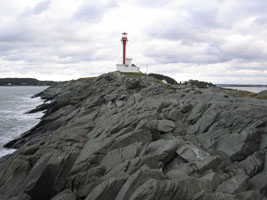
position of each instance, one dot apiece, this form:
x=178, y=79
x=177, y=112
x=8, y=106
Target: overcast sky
x=222, y=41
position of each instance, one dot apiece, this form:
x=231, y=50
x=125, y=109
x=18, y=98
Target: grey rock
x=65, y=195
x=197, y=112
x=213, y=177
x=137, y=97
x=166, y=126
x=19, y=197
x=202, y=159
x=217, y=196
x=118, y=156
x=137, y=179
x=265, y=162
x=41, y=183
x=131, y=100
x=140, y=136
x=263, y=141
x=186, y=107
x=35, y=173
x=252, y=164
x=131, y=166
x=107, y=189
x=13, y=173
x=187, y=168
x=166, y=149
x=91, y=148
x=109, y=97
x=174, y=163
x=154, y=189
x=177, y=174
x=133, y=84
x=259, y=182
x=194, y=185
x=119, y=103
x=192, y=153
x=250, y=195
x=238, y=146
x=174, y=114
x=234, y=185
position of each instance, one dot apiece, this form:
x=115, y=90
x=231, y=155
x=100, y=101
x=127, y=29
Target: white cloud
x=212, y=40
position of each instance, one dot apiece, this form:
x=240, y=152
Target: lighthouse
x=126, y=65
x=124, y=40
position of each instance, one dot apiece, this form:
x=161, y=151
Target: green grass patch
x=86, y=78
x=261, y=97
x=158, y=77
x=240, y=93
x=134, y=74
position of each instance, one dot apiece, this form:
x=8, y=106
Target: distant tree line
x=199, y=84
x=162, y=77
x=24, y=82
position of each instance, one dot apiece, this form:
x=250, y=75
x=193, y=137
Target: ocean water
x=14, y=102
x=250, y=89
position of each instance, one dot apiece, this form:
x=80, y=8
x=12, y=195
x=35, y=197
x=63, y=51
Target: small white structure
x=126, y=65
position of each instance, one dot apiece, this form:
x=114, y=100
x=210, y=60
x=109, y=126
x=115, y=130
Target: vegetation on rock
x=199, y=84
x=162, y=78
x=243, y=93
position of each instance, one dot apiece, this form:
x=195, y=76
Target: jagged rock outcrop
x=121, y=137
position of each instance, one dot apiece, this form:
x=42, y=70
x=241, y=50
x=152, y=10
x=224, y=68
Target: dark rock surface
x=120, y=137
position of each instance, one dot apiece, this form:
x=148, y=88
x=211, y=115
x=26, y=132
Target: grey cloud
x=189, y=30
x=211, y=54
x=199, y=28
x=200, y=59
x=255, y=7
x=262, y=20
x=152, y=3
x=41, y=7
x=259, y=67
x=206, y=53
x=242, y=9
x=175, y=32
x=14, y=32
x=30, y=40
x=91, y=11
x=6, y=47
x=246, y=53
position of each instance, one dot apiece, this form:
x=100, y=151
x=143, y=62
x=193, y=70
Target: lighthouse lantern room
x=126, y=65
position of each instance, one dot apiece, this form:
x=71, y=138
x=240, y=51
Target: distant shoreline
x=25, y=82
x=248, y=89
x=239, y=85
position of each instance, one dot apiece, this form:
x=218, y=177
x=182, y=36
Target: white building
x=128, y=66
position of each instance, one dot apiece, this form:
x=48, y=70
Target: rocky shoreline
x=126, y=138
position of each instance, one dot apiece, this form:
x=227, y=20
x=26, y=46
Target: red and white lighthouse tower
x=124, y=40
x=126, y=65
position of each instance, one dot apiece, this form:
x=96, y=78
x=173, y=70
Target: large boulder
x=166, y=125
x=259, y=182
x=65, y=195
x=234, y=185
x=166, y=149
x=200, y=158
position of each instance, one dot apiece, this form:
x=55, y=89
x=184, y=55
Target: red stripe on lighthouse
x=124, y=51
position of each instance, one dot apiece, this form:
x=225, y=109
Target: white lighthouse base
x=127, y=68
